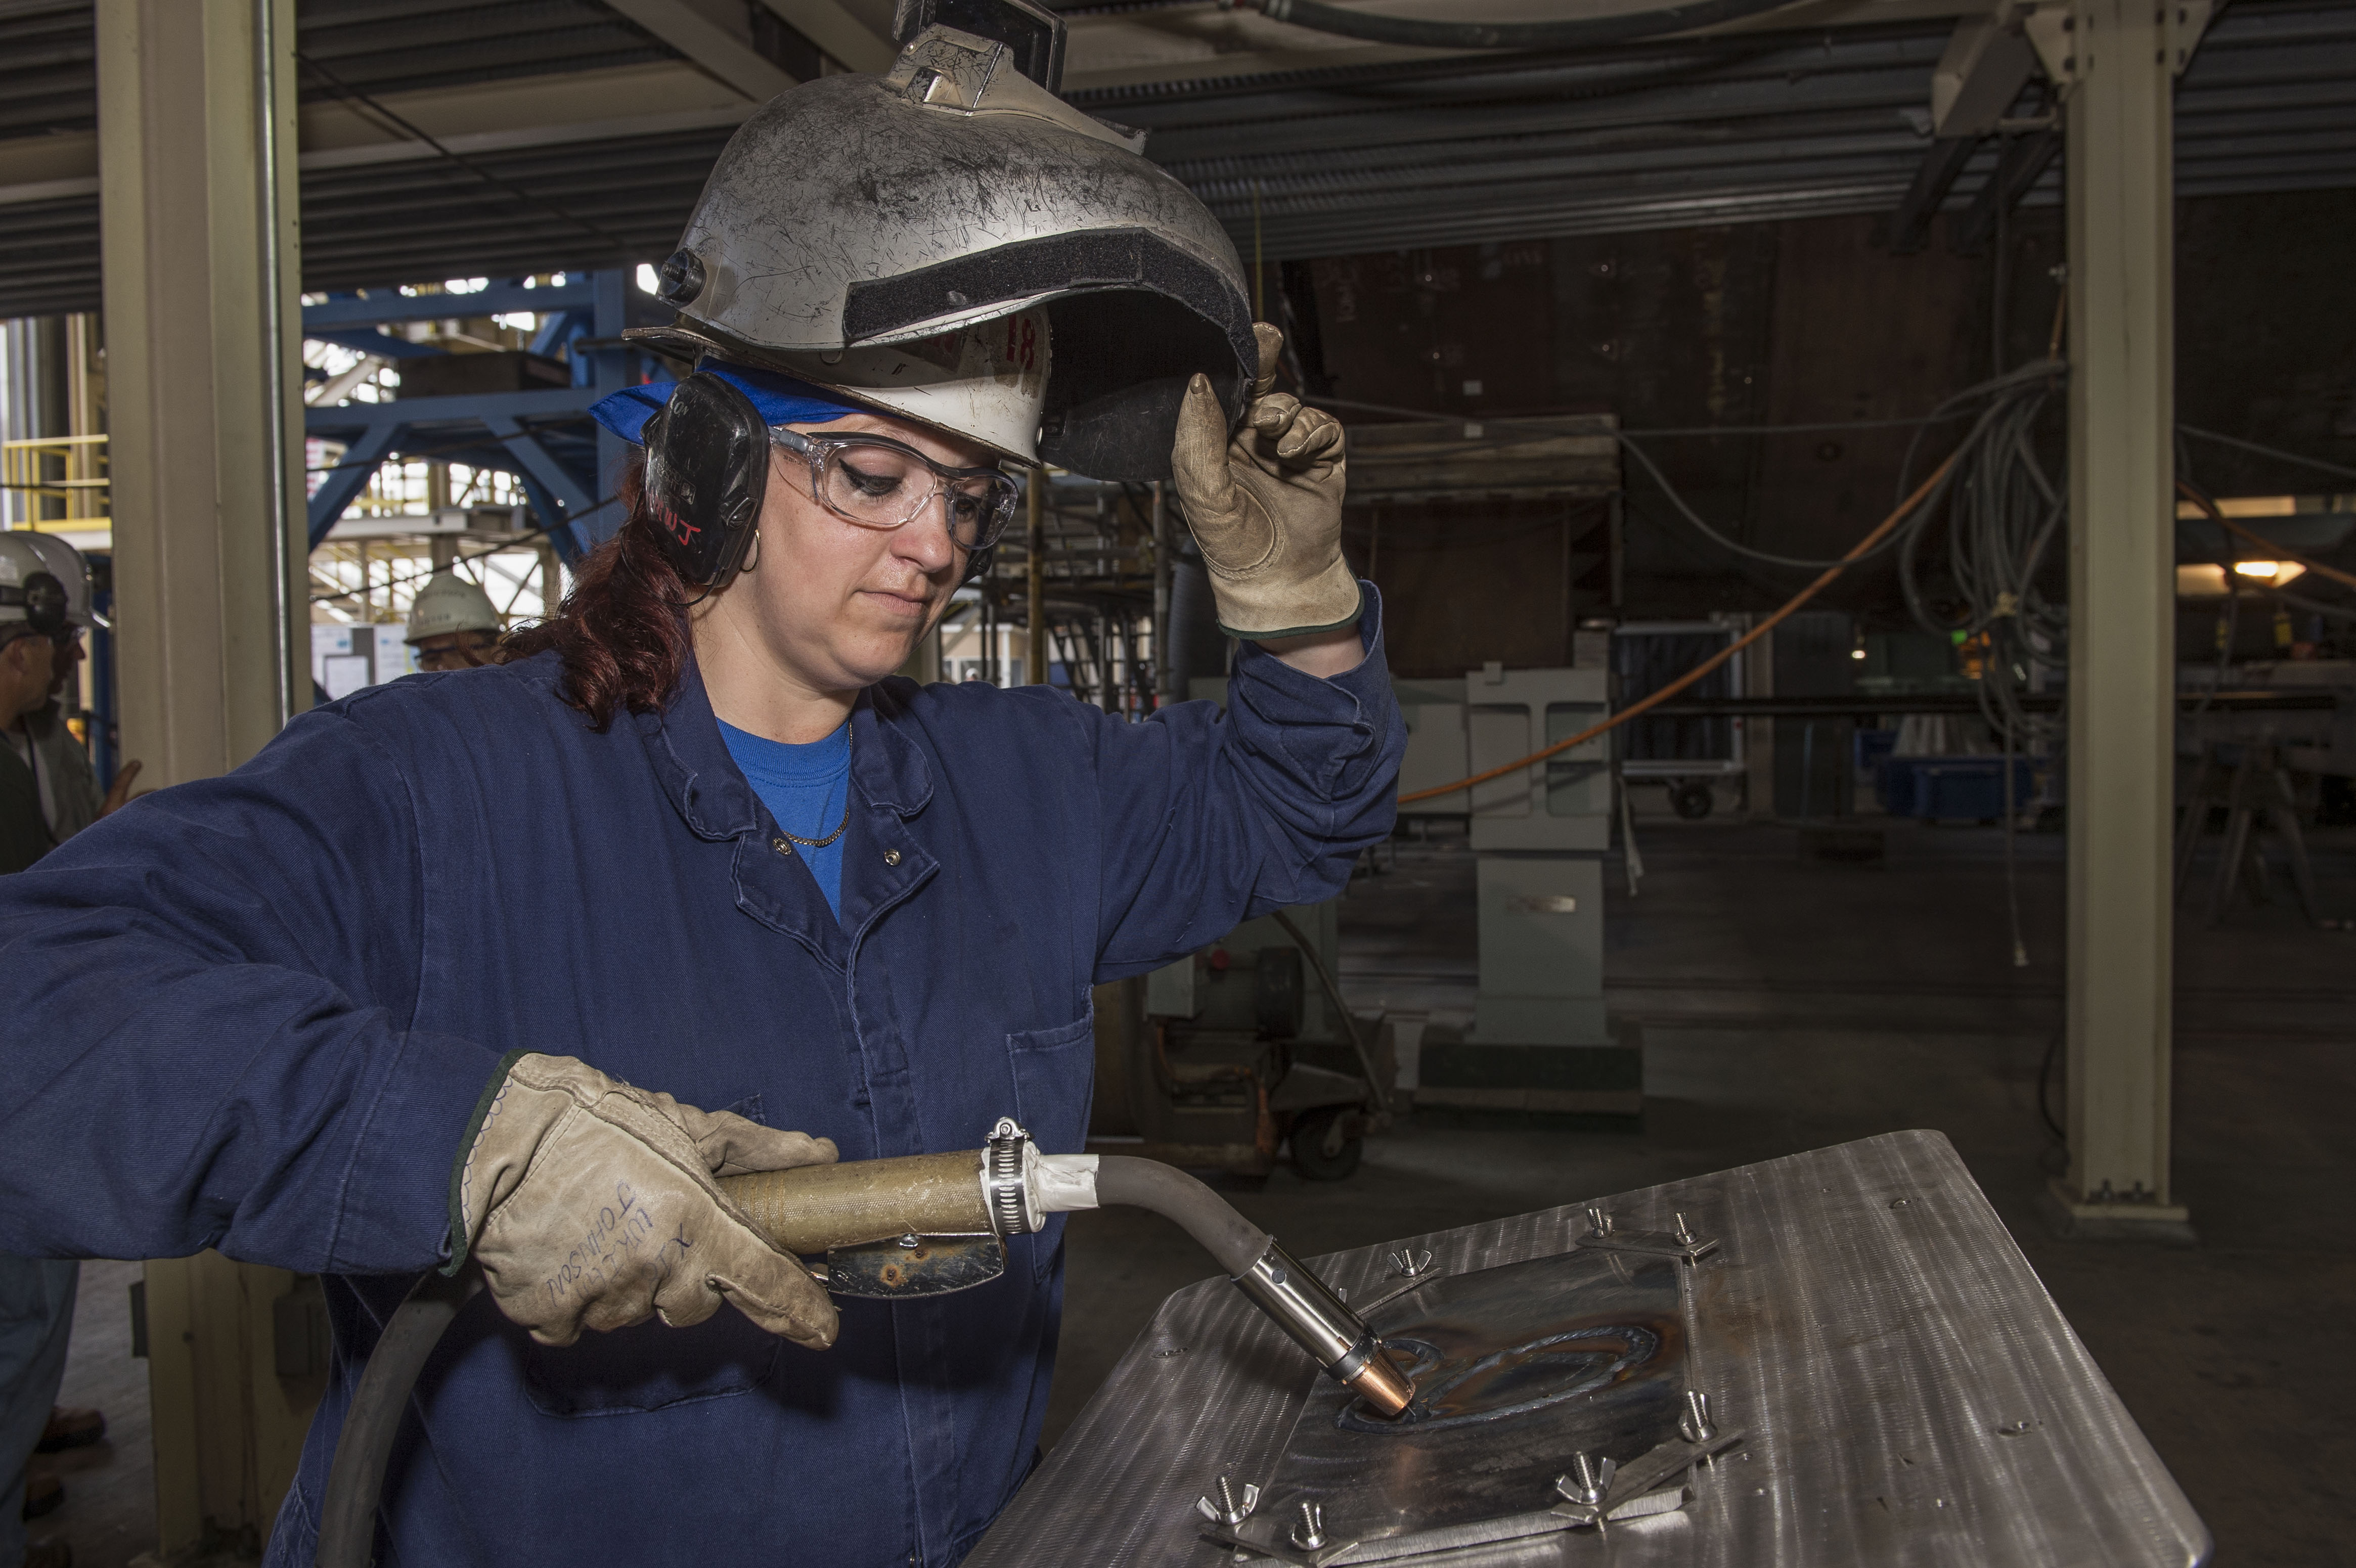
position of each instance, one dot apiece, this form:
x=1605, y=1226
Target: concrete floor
x=1790, y=1004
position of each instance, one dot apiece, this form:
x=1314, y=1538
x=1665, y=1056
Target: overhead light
x=2206, y=580
x=1857, y=653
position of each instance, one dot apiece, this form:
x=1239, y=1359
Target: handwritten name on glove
x=592, y=1204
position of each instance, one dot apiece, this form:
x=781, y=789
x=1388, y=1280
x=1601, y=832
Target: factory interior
x=1861, y=500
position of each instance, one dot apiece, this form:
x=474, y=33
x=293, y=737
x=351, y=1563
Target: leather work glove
x=592, y=1204
x=1265, y=507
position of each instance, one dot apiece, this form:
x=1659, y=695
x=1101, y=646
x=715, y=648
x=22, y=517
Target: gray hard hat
x=864, y=233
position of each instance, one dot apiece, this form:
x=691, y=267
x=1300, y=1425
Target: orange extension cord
x=1655, y=699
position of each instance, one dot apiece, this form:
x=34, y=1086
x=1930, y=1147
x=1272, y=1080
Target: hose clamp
x=1006, y=1160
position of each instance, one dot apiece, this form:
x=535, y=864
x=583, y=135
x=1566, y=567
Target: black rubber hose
x=1579, y=33
x=347, y=1517
x=1235, y=1242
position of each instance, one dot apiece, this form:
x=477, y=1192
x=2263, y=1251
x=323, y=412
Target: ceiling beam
x=708, y=44
x=836, y=32
x=480, y=117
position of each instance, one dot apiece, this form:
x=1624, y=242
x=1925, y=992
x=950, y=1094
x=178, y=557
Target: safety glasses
x=878, y=483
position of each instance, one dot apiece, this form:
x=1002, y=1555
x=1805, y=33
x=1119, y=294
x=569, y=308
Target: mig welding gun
x=895, y=1229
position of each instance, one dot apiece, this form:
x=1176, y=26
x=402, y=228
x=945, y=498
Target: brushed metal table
x=1905, y=1391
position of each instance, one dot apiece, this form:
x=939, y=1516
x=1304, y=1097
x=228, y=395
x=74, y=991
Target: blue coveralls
x=254, y=1012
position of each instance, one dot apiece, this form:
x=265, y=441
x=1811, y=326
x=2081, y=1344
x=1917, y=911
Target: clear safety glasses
x=877, y=483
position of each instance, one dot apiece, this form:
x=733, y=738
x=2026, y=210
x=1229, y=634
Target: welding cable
x=1583, y=32
x=364, y=1447
x=1924, y=494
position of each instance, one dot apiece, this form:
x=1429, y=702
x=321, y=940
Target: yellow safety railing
x=70, y=470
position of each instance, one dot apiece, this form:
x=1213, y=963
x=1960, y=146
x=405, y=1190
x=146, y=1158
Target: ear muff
x=707, y=472
x=43, y=598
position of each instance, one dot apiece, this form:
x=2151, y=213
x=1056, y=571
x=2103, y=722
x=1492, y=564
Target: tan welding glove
x=592, y=1204
x=1265, y=507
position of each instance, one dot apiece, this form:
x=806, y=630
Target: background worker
x=452, y=625
x=47, y=795
x=71, y=797
x=364, y=1009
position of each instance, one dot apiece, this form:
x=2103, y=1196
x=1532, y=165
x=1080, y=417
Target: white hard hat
x=447, y=604
x=69, y=567
x=31, y=591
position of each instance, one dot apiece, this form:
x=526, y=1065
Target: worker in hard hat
x=417, y=987
x=452, y=623
x=47, y=793
x=69, y=793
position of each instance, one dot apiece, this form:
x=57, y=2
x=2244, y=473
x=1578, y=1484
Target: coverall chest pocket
x=1055, y=1074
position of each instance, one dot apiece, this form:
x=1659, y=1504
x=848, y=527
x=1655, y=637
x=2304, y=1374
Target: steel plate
x=1909, y=1392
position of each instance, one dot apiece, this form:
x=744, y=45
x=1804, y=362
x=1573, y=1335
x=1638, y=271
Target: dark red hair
x=622, y=631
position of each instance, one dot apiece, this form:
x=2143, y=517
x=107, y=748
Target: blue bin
x=1946, y=789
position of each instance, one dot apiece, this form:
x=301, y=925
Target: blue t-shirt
x=806, y=788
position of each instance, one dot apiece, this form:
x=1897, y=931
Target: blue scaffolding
x=566, y=463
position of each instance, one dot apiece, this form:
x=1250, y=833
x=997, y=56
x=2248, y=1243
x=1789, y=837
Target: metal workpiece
x=1322, y=1324
x=1890, y=1385
x=1604, y=1233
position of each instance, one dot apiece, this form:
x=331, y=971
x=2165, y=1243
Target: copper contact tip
x=1382, y=1385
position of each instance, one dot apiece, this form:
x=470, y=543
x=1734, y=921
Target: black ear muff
x=707, y=471
x=44, y=598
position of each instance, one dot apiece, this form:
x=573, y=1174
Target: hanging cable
x=1925, y=495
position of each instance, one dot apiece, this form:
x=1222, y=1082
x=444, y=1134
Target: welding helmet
x=954, y=245
x=447, y=604
x=70, y=567
x=33, y=598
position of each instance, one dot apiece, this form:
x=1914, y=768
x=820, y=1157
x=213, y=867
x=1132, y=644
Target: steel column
x=2122, y=614
x=198, y=202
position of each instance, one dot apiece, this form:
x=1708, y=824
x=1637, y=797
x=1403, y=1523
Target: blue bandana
x=781, y=399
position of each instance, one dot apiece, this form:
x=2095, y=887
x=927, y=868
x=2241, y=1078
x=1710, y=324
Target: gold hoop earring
x=752, y=548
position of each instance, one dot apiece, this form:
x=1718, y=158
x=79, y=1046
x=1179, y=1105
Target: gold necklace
x=849, y=739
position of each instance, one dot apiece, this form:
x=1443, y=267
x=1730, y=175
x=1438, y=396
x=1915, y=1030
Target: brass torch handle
x=814, y=1207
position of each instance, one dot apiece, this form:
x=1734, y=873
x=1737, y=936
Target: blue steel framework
x=545, y=438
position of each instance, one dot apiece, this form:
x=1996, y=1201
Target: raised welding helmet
x=954, y=245
x=33, y=598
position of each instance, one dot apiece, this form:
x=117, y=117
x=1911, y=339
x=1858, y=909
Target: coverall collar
x=683, y=742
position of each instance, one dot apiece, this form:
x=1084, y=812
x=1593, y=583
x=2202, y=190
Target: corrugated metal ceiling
x=1343, y=161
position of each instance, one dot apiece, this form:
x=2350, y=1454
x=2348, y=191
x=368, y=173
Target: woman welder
x=373, y=1003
